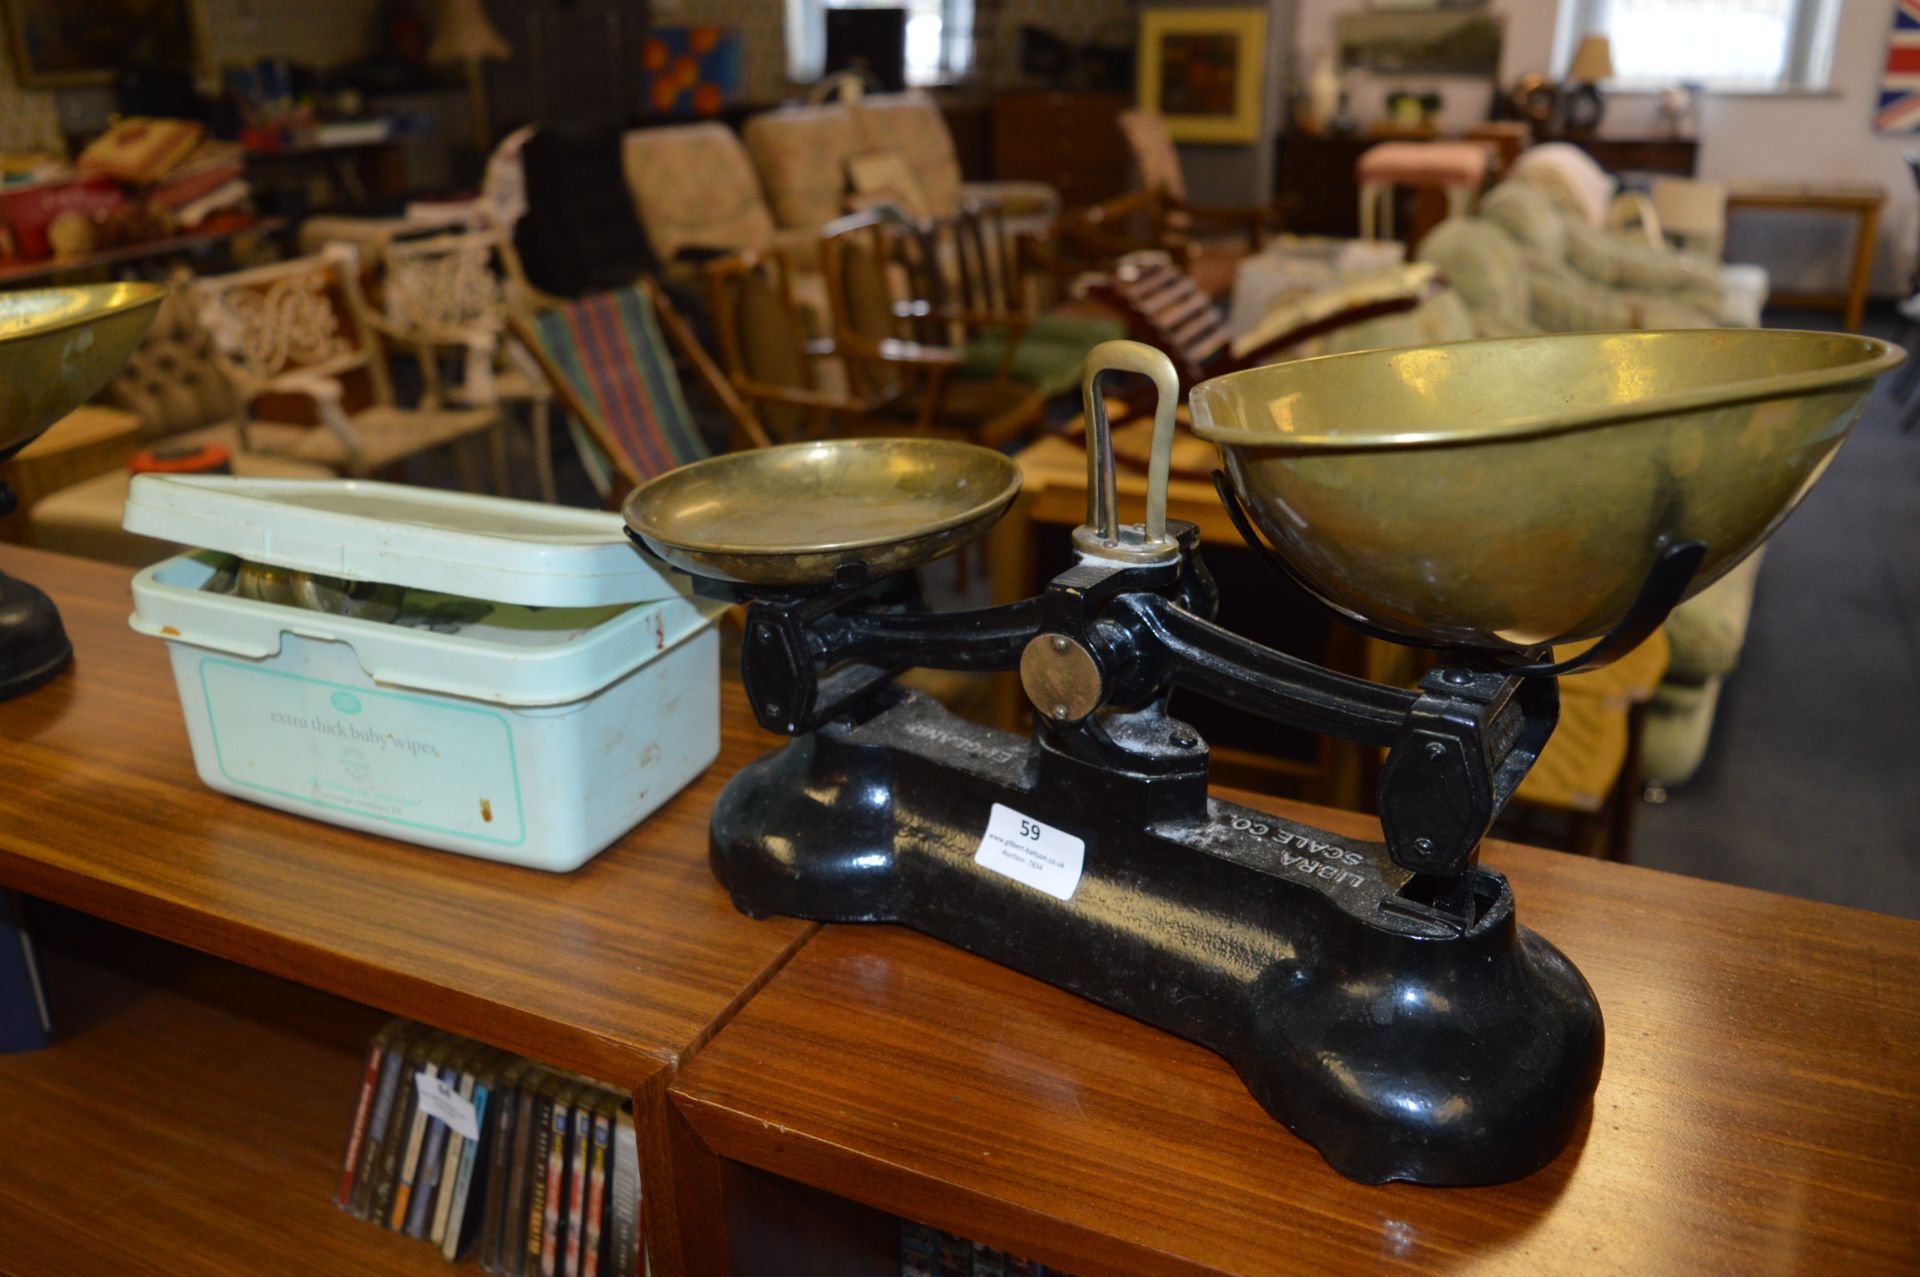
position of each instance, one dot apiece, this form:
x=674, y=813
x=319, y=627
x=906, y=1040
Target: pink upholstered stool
x=1457, y=167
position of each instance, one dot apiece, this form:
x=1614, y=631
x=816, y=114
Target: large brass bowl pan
x=1516, y=491
x=60, y=345
x=798, y=513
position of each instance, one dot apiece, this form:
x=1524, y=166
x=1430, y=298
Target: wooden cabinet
x=1314, y=172
x=1071, y=140
x=970, y=121
x=1314, y=175
x=1634, y=152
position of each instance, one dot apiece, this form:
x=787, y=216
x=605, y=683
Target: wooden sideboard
x=1314, y=172
x=1071, y=140
x=1635, y=152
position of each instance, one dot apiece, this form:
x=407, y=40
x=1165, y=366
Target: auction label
x=1027, y=850
x=389, y=756
x=438, y=1099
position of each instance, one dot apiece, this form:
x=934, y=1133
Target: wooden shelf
x=188, y=1119
x=1763, y=1057
x=619, y=970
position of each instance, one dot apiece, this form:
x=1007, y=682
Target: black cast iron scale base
x=1404, y=1040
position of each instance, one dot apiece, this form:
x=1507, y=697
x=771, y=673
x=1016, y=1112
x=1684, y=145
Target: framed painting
x=1203, y=69
x=1424, y=42
x=691, y=71
x=61, y=43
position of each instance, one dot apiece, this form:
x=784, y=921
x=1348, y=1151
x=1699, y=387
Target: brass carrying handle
x=1103, y=506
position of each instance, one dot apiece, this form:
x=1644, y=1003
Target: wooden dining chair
x=886, y=335
x=785, y=374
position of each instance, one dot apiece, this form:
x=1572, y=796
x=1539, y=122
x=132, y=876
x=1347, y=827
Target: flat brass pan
x=797, y=513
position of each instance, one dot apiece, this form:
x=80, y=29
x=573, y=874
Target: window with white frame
x=1752, y=45
x=939, y=37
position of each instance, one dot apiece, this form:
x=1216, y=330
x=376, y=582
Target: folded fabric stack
x=142, y=179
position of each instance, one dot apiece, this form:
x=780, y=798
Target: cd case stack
x=531, y=1171
x=928, y=1252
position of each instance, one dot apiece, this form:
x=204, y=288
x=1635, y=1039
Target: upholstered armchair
x=1522, y=265
x=803, y=156
x=1487, y=274
x=694, y=187
x=801, y=153
x=1590, y=198
x=910, y=125
x=1645, y=287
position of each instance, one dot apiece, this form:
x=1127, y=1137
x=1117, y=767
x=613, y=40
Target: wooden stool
x=1458, y=168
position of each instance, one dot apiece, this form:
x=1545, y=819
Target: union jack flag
x=1900, y=85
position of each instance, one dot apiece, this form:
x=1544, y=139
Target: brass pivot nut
x=1061, y=678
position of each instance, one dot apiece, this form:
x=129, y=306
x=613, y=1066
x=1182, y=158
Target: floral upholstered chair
x=801, y=154
x=694, y=188
x=910, y=125
x=698, y=196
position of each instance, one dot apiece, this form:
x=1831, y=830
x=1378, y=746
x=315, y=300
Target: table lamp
x=466, y=35
x=57, y=347
x=1592, y=63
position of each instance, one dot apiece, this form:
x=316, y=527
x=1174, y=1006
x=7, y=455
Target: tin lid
x=480, y=547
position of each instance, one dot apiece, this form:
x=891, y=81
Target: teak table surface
x=619, y=970
x=1759, y=1111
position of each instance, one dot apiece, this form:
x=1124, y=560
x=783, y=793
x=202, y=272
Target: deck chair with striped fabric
x=610, y=366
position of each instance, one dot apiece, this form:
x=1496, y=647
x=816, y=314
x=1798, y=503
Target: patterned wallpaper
x=28, y=119
x=328, y=32
x=997, y=25
x=321, y=32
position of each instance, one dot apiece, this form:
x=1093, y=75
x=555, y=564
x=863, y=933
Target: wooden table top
x=1837, y=195
x=1053, y=488
x=616, y=970
x=86, y=425
x=1759, y=1109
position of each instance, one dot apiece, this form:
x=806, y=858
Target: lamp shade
x=464, y=33
x=1592, y=61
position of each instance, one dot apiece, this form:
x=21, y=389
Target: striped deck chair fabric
x=609, y=349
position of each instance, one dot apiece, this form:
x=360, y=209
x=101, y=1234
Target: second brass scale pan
x=798, y=514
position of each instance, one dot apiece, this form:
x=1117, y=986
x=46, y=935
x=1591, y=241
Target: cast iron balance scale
x=1488, y=499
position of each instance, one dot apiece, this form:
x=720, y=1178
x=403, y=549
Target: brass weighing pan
x=800, y=513
x=60, y=345
x=1517, y=491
